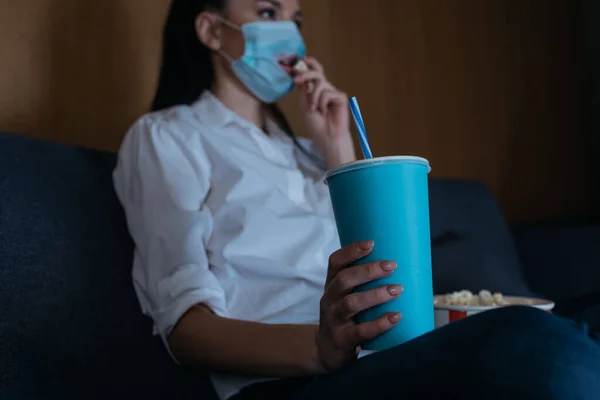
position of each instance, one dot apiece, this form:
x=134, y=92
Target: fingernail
x=395, y=318
x=388, y=266
x=366, y=245
x=395, y=290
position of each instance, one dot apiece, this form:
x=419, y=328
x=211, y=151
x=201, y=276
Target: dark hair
x=187, y=69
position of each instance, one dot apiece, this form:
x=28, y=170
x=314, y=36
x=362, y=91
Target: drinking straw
x=360, y=128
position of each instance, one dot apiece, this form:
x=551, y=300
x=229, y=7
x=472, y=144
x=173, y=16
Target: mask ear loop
x=231, y=25
x=225, y=56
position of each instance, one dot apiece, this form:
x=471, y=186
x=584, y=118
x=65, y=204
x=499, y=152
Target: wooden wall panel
x=77, y=71
x=489, y=90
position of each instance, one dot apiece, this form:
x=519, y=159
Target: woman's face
x=240, y=12
x=220, y=30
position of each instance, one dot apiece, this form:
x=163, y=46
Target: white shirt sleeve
x=162, y=179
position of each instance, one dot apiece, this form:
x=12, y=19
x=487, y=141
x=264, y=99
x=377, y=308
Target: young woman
x=237, y=257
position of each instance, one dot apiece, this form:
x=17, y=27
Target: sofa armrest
x=560, y=261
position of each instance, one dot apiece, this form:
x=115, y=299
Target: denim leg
x=509, y=353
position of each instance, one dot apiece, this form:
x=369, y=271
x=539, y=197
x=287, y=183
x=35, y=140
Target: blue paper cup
x=387, y=200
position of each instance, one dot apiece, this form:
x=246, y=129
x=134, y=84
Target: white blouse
x=225, y=215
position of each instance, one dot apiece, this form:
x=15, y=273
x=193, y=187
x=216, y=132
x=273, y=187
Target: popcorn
x=484, y=299
x=302, y=68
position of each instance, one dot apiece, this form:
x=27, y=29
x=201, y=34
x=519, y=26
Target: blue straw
x=360, y=127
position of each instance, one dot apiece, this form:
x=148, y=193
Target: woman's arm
x=326, y=114
x=203, y=340
x=162, y=180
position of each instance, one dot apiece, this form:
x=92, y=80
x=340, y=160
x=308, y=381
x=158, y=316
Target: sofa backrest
x=70, y=325
x=473, y=247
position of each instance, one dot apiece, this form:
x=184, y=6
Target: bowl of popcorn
x=458, y=305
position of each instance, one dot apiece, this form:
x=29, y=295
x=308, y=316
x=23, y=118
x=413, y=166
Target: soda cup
x=387, y=200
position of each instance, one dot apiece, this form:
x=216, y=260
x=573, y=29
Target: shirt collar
x=211, y=111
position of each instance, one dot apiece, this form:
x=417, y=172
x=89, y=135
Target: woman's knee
x=512, y=328
x=522, y=318
x=563, y=356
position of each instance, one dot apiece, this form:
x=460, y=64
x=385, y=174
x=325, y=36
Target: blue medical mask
x=259, y=69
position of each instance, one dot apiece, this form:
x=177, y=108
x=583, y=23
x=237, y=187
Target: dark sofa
x=70, y=325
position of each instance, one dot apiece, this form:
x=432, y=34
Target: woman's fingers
x=331, y=98
x=344, y=257
x=339, y=335
x=321, y=92
x=317, y=93
x=352, y=336
x=310, y=76
x=354, y=303
x=308, y=82
x=313, y=64
x=349, y=278
x=313, y=84
x=372, y=329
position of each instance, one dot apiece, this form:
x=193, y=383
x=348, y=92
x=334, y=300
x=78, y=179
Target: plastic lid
x=377, y=161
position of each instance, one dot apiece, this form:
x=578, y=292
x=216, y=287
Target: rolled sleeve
x=181, y=291
x=162, y=179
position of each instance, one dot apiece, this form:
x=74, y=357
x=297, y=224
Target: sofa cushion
x=70, y=324
x=472, y=245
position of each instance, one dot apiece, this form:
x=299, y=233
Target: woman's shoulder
x=176, y=123
x=187, y=122
x=170, y=136
x=174, y=130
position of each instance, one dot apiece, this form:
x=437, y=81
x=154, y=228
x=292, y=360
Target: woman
x=236, y=257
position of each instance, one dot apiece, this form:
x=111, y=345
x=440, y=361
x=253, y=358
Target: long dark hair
x=187, y=70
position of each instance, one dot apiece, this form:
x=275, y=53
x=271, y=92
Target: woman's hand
x=339, y=337
x=326, y=114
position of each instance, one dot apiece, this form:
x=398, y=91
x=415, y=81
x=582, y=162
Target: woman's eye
x=267, y=13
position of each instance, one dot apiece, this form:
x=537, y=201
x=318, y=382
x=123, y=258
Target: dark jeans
x=510, y=353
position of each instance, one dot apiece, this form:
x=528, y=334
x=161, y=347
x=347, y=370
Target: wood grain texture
x=78, y=71
x=487, y=90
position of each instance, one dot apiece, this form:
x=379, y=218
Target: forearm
x=204, y=340
x=337, y=152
